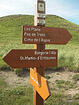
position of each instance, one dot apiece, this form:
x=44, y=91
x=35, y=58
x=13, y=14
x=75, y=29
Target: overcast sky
x=68, y=9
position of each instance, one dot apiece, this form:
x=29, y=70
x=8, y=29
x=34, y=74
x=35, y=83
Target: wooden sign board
x=40, y=84
x=31, y=58
x=45, y=35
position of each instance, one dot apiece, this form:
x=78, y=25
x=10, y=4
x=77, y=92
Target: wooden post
x=37, y=100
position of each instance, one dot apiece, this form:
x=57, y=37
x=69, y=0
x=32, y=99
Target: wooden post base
x=37, y=100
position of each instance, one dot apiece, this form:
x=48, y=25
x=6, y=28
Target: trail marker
x=40, y=6
x=39, y=58
x=40, y=84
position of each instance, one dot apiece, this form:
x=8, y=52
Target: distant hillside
x=11, y=37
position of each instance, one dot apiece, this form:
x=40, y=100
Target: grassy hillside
x=11, y=36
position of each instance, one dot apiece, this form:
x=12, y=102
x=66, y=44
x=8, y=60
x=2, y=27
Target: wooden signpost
x=39, y=21
x=38, y=58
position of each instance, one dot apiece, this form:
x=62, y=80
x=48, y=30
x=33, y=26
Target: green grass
x=60, y=99
x=3, y=84
x=68, y=56
x=22, y=95
x=19, y=95
x=76, y=77
x=11, y=38
x=20, y=72
x=16, y=96
x=76, y=96
x=47, y=77
x=62, y=84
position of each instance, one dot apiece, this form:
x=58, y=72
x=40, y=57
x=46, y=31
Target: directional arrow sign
x=31, y=58
x=36, y=35
x=40, y=84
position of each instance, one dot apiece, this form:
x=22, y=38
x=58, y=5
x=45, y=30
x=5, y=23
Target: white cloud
x=8, y=7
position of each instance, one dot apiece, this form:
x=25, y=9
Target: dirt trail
x=12, y=79
x=66, y=76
